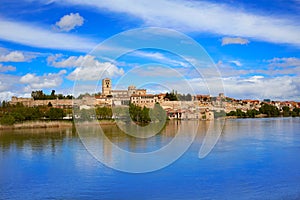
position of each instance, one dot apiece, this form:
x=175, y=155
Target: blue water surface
x=253, y=159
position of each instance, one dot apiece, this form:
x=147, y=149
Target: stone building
x=147, y=100
x=106, y=86
x=30, y=102
x=118, y=97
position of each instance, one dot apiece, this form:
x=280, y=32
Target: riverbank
x=38, y=124
x=96, y=123
x=52, y=124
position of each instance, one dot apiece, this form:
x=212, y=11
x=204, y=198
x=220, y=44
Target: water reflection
x=253, y=159
x=35, y=139
x=111, y=146
x=53, y=139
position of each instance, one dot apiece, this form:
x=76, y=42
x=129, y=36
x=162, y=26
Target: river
x=253, y=159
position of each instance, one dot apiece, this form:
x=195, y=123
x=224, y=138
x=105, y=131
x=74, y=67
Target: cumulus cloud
x=7, y=68
x=284, y=66
x=14, y=56
x=6, y=95
x=49, y=80
x=58, y=61
x=205, y=16
x=259, y=87
x=37, y=36
x=69, y=22
x=234, y=40
x=86, y=67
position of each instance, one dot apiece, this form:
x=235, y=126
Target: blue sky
x=49, y=45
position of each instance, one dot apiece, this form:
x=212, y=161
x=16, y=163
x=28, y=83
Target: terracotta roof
x=143, y=95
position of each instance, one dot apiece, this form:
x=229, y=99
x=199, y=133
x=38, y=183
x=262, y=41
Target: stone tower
x=106, y=86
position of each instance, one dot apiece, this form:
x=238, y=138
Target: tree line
x=40, y=95
x=10, y=114
x=267, y=110
x=136, y=113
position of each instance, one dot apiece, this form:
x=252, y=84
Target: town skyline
x=171, y=101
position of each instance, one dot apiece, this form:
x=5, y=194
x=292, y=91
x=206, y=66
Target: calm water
x=253, y=159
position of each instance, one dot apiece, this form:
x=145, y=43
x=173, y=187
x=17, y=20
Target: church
x=119, y=97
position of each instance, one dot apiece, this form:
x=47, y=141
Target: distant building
x=118, y=97
x=30, y=102
x=221, y=95
x=201, y=107
x=106, y=86
x=147, y=100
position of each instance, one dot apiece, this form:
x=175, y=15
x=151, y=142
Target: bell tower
x=106, y=86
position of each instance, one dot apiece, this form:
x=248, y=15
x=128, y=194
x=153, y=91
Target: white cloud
x=233, y=68
x=22, y=86
x=157, y=71
x=170, y=59
x=14, y=56
x=49, y=80
x=29, y=78
x=7, y=68
x=7, y=55
x=36, y=36
x=285, y=62
x=69, y=22
x=276, y=67
x=204, y=16
x=95, y=72
x=234, y=40
x=259, y=87
x=254, y=87
x=8, y=82
x=58, y=61
x=6, y=96
x=236, y=62
x=86, y=67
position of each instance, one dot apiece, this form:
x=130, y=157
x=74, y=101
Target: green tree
x=158, y=114
x=60, y=96
x=269, y=110
x=296, y=112
x=144, y=115
x=231, y=113
x=55, y=113
x=286, y=111
x=139, y=114
x=240, y=113
x=252, y=113
x=19, y=115
x=4, y=104
x=183, y=97
x=104, y=113
x=86, y=114
x=7, y=120
x=38, y=95
x=220, y=113
x=171, y=96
